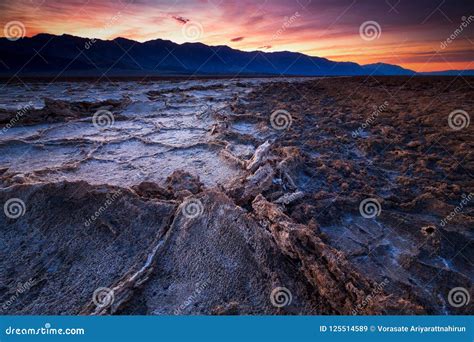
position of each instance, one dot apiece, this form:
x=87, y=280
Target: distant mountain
x=387, y=69
x=67, y=55
x=469, y=72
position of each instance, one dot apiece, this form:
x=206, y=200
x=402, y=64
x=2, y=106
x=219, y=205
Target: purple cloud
x=180, y=19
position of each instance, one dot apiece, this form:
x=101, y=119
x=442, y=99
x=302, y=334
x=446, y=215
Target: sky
x=422, y=35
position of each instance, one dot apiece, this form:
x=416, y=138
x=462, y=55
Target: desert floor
x=253, y=196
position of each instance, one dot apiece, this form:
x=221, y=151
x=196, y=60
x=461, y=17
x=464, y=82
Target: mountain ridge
x=47, y=54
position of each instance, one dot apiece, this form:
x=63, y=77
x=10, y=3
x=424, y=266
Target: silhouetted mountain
x=67, y=55
x=386, y=69
x=469, y=72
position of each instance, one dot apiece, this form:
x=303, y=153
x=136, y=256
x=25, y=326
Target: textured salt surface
x=165, y=131
x=292, y=218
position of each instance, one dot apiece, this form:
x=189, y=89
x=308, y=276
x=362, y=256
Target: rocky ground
x=321, y=196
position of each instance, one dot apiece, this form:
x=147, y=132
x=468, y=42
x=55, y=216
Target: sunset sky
x=411, y=32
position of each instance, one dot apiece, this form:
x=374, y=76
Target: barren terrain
x=253, y=196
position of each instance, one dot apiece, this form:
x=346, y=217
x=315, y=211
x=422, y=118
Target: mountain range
x=66, y=55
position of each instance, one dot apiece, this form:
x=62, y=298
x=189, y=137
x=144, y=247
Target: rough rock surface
x=290, y=219
x=61, y=111
x=65, y=257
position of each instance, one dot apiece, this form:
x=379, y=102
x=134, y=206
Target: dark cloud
x=237, y=39
x=179, y=19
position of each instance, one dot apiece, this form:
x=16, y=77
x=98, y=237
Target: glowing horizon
x=407, y=34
